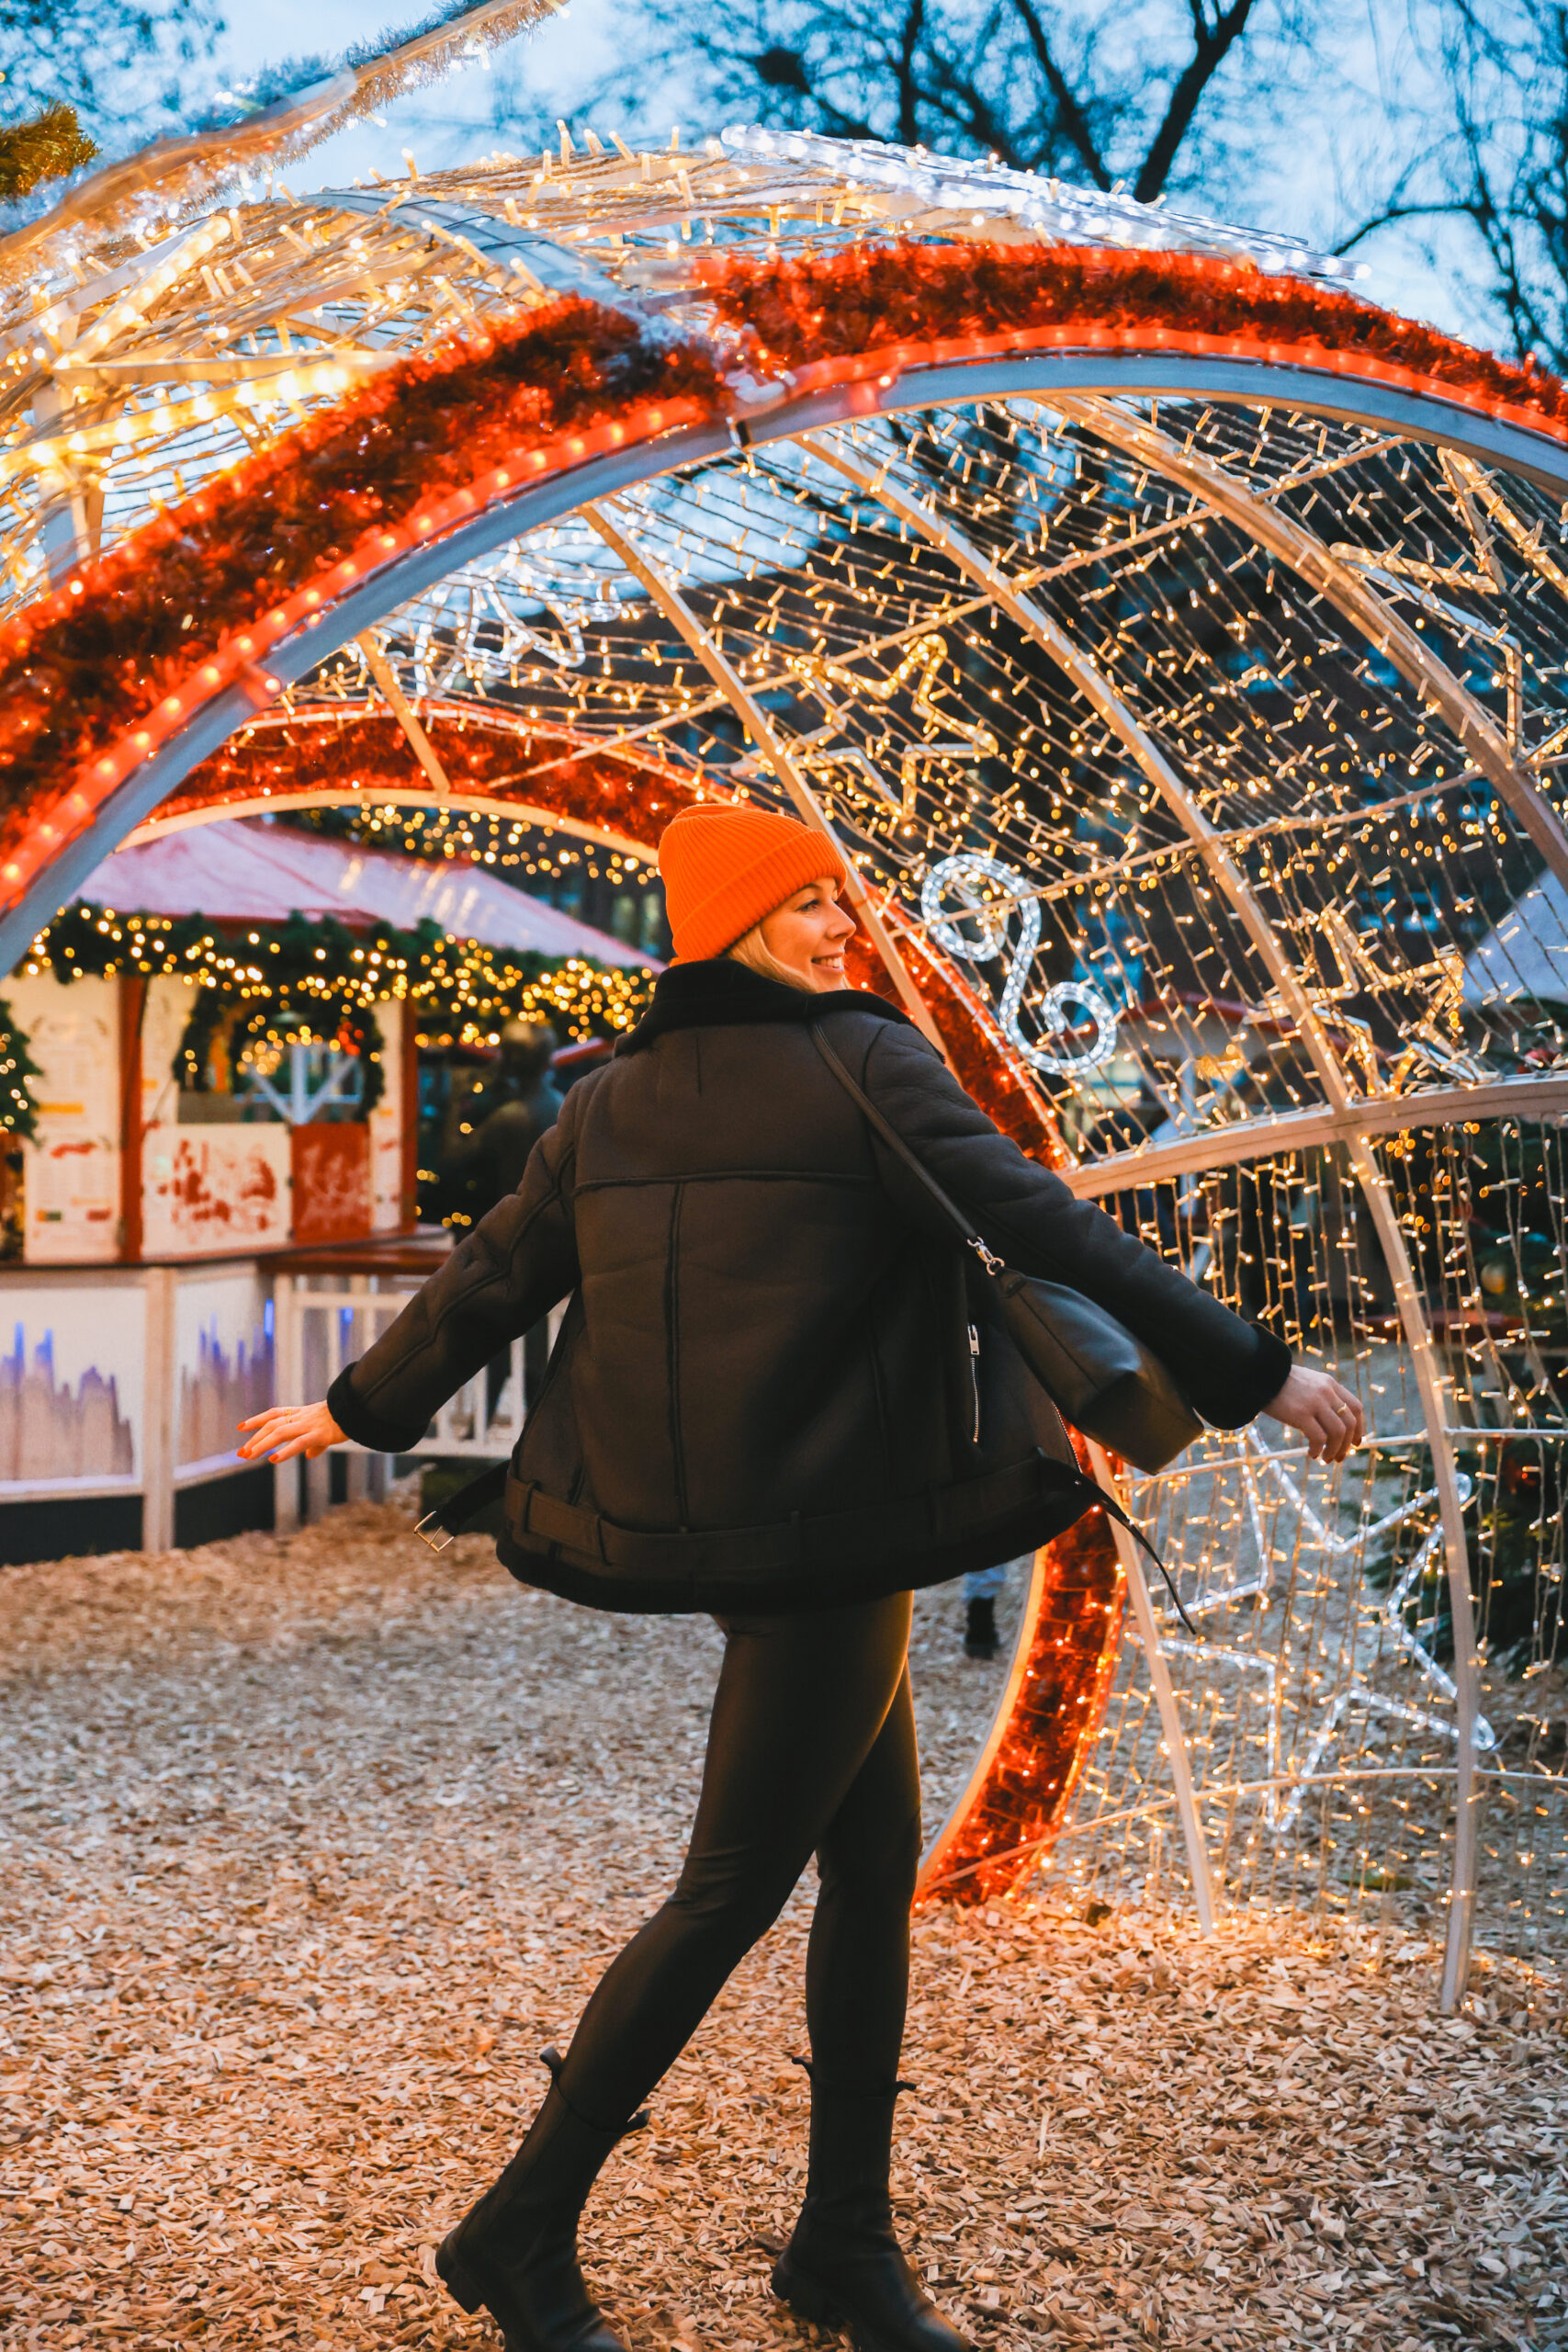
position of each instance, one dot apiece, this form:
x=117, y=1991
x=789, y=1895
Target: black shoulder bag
x=1098, y=1374
x=1100, y=1377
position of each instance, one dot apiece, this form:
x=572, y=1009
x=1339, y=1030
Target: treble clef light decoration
x=962, y=874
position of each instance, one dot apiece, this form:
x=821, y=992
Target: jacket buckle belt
x=530, y=1511
x=741, y=1552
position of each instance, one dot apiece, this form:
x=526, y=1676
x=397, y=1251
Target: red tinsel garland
x=172, y=602
x=97, y=673
x=1022, y=1801
x=980, y=1059
x=856, y=304
x=322, y=747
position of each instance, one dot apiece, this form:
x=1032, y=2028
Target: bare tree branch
x=978, y=120
x=1211, y=44
x=909, y=89
x=1388, y=216
x=1032, y=81
x=1508, y=83
x=1069, y=113
x=129, y=73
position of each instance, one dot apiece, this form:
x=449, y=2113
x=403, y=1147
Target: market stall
x=223, y=1096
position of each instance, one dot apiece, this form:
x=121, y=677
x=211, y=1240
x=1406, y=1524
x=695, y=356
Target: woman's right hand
x=1323, y=1410
x=284, y=1431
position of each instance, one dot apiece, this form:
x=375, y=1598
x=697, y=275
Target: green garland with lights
x=301, y=980
x=18, y=1111
x=284, y=1021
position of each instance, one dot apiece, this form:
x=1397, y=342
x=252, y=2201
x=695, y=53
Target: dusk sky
x=1311, y=193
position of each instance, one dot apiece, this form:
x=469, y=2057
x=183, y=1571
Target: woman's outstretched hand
x=1324, y=1410
x=284, y=1431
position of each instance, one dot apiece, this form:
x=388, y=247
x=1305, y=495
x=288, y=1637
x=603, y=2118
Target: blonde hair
x=751, y=950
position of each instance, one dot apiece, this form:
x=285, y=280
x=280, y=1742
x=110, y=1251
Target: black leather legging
x=812, y=1748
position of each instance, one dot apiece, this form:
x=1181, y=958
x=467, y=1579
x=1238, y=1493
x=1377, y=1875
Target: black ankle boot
x=980, y=1637
x=843, y=2266
x=515, y=2252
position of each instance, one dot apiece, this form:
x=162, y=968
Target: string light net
x=1177, y=641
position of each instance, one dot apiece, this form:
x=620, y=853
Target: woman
x=763, y=1402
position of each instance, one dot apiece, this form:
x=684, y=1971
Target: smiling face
x=805, y=937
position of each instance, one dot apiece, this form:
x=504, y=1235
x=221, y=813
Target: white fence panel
x=324, y=1322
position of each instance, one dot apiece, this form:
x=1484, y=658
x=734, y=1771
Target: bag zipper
x=974, y=1378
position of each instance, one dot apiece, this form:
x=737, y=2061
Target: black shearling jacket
x=761, y=1393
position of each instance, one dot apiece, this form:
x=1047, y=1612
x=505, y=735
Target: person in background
x=493, y=1125
x=983, y=1588
x=490, y=1133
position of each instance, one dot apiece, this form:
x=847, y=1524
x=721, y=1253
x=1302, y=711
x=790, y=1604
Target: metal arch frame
x=1243, y=1140
x=1180, y=1762
x=1363, y=606
x=402, y=710
x=1292, y=544
x=1535, y=455
x=1430, y=1385
x=1452, y=422
x=1089, y=679
x=478, y=804
x=496, y=720
x=293, y=657
x=1027, y=374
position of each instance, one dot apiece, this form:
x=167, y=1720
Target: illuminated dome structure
x=1176, y=640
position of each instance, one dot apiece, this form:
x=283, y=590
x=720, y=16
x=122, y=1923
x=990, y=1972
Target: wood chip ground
x=308, y=1845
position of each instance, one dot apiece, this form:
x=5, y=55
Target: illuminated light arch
x=157, y=727
x=332, y=754
x=901, y=327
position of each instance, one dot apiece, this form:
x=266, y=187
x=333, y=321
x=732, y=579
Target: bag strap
x=917, y=1167
x=994, y=1266
x=451, y=1515
x=1112, y=1509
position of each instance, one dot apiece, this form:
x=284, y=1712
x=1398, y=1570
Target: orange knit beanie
x=726, y=865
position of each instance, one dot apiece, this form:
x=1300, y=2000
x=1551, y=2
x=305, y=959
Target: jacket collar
x=718, y=993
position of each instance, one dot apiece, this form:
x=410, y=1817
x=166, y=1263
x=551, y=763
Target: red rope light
x=833, y=318
x=487, y=755
x=95, y=675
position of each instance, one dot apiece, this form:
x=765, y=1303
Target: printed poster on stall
x=71, y=1174
x=72, y=1380
x=223, y=1367
x=205, y=1190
